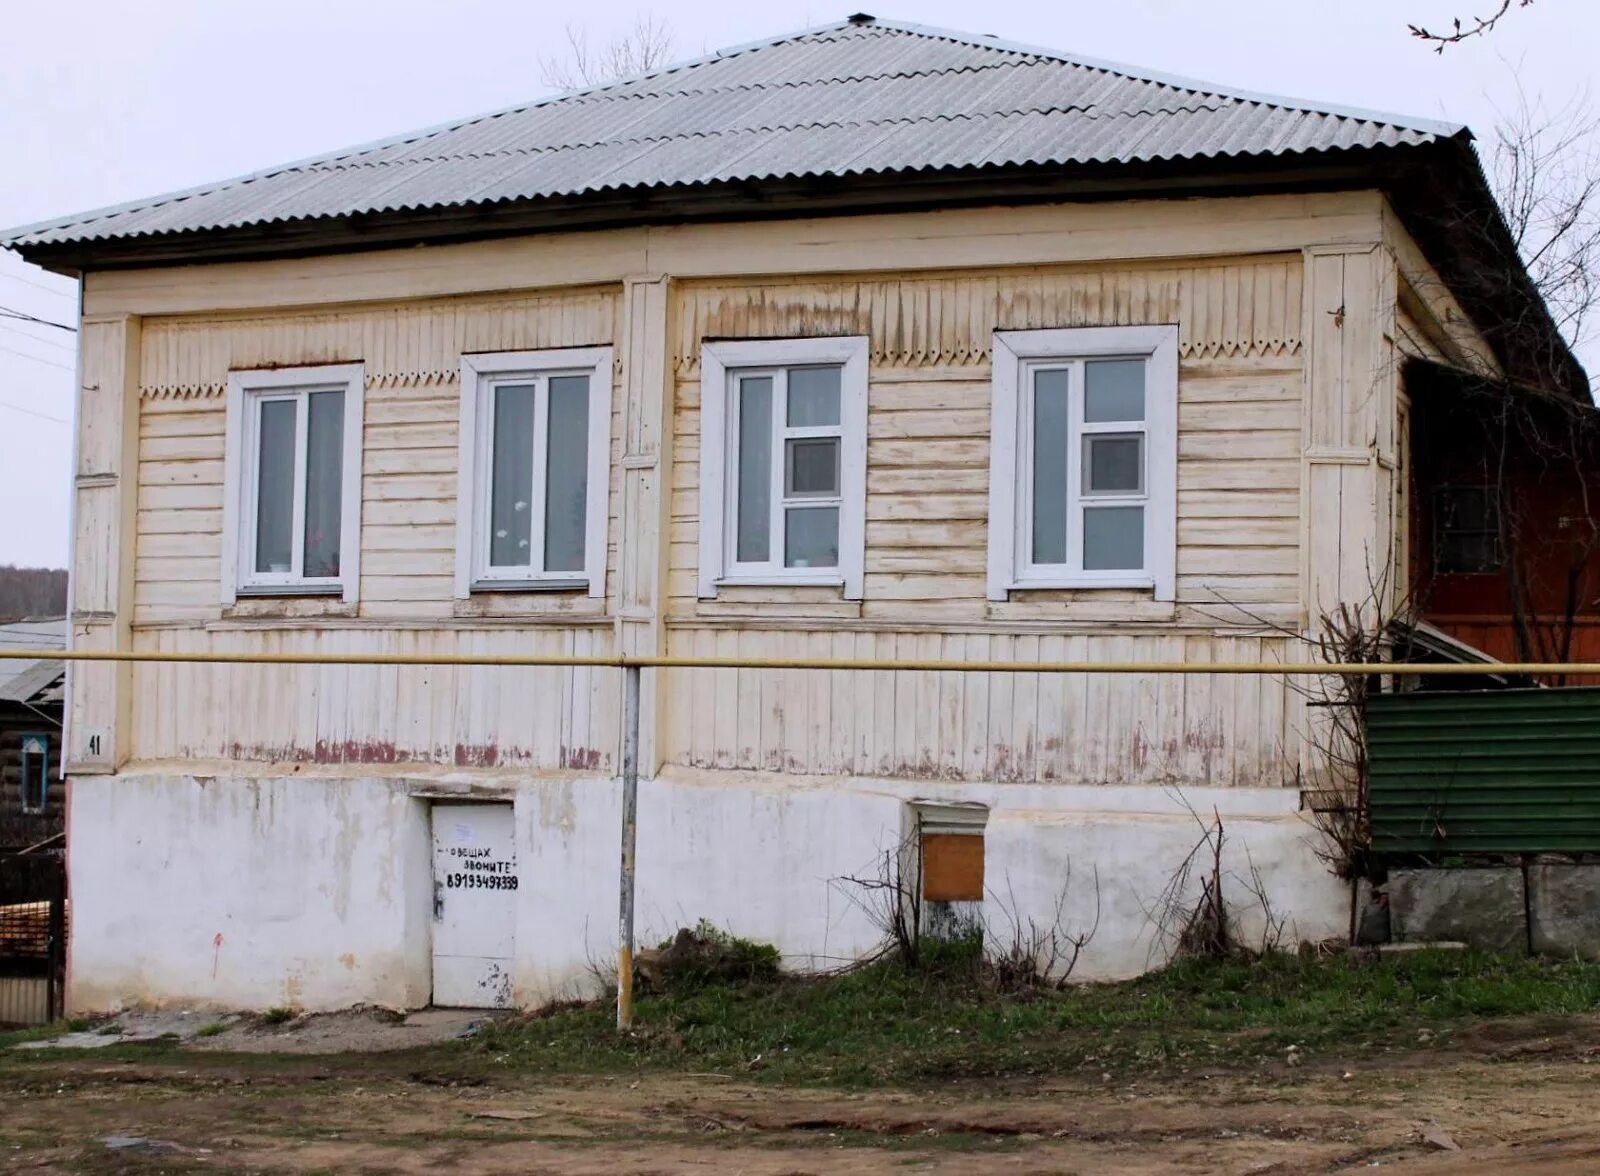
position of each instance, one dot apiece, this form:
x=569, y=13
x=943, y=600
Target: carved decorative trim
x=416, y=344
x=1223, y=310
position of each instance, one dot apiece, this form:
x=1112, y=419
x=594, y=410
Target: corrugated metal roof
x=24, y=680
x=846, y=99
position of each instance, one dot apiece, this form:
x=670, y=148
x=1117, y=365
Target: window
x=783, y=463
x=535, y=449
x=35, y=773
x=293, y=472
x=1466, y=530
x=1083, y=462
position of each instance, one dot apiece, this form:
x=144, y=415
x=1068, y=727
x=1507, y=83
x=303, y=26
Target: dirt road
x=1508, y=1109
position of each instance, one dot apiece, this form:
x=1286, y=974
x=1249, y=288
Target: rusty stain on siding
x=477, y=755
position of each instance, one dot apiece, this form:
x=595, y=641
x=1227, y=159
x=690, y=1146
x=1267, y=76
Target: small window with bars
x=35, y=773
x=1466, y=530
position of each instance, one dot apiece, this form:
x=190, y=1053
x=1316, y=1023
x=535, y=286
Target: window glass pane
x=1467, y=530
x=811, y=537
x=813, y=396
x=1467, y=508
x=275, y=487
x=1113, y=538
x=566, y=473
x=511, y=478
x=813, y=467
x=324, y=483
x=35, y=772
x=1469, y=553
x=1111, y=465
x=1113, y=390
x=1050, y=467
x=754, y=506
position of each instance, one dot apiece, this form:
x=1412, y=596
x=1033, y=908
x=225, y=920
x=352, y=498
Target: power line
x=12, y=312
x=38, y=285
x=21, y=334
x=43, y=416
x=66, y=367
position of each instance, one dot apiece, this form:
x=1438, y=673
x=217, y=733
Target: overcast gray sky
x=106, y=100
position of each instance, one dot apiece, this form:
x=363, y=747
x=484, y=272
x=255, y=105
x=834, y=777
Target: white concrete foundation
x=316, y=890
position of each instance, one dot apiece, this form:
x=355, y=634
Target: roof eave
x=1451, y=211
x=728, y=201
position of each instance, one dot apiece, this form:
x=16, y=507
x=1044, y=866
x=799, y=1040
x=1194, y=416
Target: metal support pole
x=630, y=827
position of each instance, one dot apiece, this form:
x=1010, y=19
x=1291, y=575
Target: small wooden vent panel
x=952, y=867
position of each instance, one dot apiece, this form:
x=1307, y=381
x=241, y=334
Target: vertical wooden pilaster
x=1348, y=469
x=105, y=489
x=645, y=493
x=1348, y=457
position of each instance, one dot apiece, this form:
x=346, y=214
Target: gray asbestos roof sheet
x=25, y=681
x=847, y=99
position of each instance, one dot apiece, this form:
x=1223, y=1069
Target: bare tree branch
x=1475, y=26
x=1544, y=166
x=647, y=45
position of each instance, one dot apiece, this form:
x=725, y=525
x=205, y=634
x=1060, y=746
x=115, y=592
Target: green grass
x=884, y=1025
x=279, y=1015
x=212, y=1030
x=10, y=1037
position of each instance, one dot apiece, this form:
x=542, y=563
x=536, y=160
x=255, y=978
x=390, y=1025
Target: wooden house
x=873, y=342
x=32, y=799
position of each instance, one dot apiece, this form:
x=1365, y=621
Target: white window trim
x=1015, y=352
x=717, y=362
x=239, y=490
x=472, y=566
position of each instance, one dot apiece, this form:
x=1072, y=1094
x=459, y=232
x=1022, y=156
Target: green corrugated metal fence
x=1496, y=771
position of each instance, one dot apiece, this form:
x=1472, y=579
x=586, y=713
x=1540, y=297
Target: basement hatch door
x=474, y=905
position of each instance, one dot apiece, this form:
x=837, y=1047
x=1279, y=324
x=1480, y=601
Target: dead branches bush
x=1019, y=954
x=1341, y=807
x=1204, y=925
x=891, y=901
x=1330, y=770
x=1025, y=955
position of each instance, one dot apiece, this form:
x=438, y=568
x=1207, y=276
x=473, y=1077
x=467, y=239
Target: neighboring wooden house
x=32, y=809
x=1505, y=534
x=873, y=341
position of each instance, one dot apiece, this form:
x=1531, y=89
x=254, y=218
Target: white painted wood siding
x=542, y=719
x=1231, y=274
x=1239, y=434
x=1222, y=730
x=412, y=354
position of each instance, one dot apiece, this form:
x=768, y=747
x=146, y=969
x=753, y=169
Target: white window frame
x=246, y=392
x=1017, y=355
x=720, y=364
x=480, y=375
